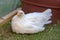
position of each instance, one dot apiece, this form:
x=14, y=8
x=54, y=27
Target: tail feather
x=47, y=12
x=47, y=15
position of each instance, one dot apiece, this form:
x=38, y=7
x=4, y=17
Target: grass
x=52, y=32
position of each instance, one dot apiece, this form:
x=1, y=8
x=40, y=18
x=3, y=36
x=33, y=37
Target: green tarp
x=7, y=5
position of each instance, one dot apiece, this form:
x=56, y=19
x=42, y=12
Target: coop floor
x=52, y=32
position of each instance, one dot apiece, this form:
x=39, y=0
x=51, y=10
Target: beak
x=18, y=14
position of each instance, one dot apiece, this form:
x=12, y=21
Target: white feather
x=31, y=22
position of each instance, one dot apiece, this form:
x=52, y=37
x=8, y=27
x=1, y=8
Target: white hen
x=31, y=22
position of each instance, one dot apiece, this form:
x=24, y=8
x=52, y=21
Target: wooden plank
x=8, y=17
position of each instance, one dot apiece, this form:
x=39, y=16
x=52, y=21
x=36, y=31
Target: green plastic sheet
x=7, y=6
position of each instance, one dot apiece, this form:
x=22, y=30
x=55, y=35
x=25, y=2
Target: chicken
x=32, y=22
